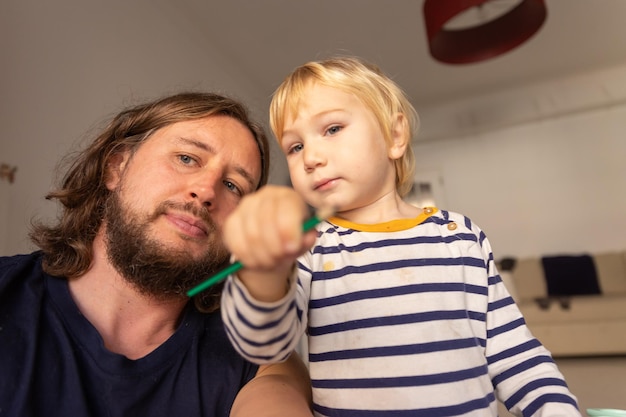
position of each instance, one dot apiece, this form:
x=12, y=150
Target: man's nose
x=202, y=189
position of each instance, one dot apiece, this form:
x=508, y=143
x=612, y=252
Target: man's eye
x=233, y=187
x=186, y=159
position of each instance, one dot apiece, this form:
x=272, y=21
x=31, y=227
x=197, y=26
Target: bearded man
x=96, y=322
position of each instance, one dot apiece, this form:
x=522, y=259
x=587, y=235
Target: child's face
x=336, y=151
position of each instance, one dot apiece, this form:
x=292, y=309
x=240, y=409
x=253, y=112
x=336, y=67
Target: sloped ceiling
x=268, y=38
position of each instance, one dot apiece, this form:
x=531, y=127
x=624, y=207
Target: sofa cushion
x=588, y=309
x=570, y=275
x=528, y=280
x=611, y=267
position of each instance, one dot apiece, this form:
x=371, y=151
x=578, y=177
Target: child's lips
x=325, y=184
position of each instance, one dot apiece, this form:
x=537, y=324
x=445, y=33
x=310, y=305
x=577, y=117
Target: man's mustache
x=189, y=207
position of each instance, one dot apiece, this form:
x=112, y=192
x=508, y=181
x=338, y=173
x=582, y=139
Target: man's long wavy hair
x=67, y=246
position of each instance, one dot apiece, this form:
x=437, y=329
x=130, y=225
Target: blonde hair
x=370, y=85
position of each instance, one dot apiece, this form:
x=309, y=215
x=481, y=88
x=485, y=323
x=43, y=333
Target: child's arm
x=265, y=234
x=523, y=372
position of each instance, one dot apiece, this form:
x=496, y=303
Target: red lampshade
x=486, y=39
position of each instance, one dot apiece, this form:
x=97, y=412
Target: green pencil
x=232, y=268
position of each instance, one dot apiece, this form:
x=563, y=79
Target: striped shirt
x=404, y=318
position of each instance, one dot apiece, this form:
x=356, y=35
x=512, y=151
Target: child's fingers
x=265, y=229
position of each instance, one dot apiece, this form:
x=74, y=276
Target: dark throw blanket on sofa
x=570, y=275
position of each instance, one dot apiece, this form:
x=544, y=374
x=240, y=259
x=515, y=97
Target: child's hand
x=265, y=234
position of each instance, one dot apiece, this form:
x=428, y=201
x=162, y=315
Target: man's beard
x=152, y=267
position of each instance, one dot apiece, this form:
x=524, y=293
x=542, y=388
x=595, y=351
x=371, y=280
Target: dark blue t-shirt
x=53, y=361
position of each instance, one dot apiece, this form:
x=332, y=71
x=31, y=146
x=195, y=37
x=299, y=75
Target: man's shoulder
x=20, y=262
x=19, y=267
x=20, y=257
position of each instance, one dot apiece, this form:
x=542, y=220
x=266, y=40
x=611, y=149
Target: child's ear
x=114, y=169
x=399, y=137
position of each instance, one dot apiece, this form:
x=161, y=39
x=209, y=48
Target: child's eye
x=333, y=130
x=295, y=148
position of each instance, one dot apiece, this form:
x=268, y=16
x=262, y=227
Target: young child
x=403, y=307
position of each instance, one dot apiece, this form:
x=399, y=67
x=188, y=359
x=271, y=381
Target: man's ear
x=399, y=137
x=115, y=168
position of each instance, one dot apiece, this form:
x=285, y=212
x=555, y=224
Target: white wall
x=541, y=168
x=550, y=186
x=68, y=65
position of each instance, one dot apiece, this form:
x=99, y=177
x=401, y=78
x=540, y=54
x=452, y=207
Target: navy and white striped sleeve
x=523, y=372
x=261, y=332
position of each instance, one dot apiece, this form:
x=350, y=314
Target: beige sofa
x=579, y=324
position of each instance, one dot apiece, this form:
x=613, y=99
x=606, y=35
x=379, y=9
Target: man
x=97, y=323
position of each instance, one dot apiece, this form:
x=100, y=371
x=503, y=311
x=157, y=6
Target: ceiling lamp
x=466, y=31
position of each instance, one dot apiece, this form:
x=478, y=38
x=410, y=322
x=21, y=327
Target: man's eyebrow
x=247, y=176
x=198, y=144
x=208, y=148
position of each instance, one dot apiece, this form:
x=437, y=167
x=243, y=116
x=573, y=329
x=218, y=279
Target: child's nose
x=313, y=157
